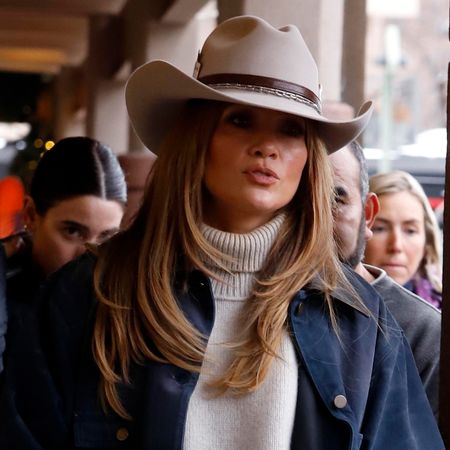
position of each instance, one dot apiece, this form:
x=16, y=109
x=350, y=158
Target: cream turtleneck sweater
x=261, y=420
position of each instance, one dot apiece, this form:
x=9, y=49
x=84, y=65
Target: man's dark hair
x=358, y=153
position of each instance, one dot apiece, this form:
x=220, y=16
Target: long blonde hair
x=399, y=181
x=138, y=315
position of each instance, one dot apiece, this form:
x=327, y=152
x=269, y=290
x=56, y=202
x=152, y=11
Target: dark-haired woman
x=77, y=197
x=221, y=318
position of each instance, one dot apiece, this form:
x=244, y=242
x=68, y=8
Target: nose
x=395, y=243
x=265, y=147
x=80, y=249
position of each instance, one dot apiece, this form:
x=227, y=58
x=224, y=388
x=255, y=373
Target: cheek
x=212, y=178
x=375, y=249
x=344, y=234
x=348, y=217
x=417, y=249
x=213, y=167
x=414, y=259
x=342, y=223
x=295, y=167
x=60, y=250
x=50, y=252
x=221, y=149
x=214, y=158
x=53, y=242
x=221, y=170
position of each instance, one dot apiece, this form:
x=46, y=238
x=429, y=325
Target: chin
x=265, y=206
x=399, y=278
x=264, y=211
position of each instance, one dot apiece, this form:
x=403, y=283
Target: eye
x=378, y=228
x=240, y=119
x=339, y=199
x=411, y=231
x=293, y=128
x=73, y=232
x=340, y=195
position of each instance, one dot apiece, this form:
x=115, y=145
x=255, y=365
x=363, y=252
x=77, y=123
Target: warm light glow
x=13, y=131
x=38, y=143
x=32, y=165
x=49, y=145
x=11, y=203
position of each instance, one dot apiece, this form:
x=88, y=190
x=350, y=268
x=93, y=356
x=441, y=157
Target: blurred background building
x=407, y=53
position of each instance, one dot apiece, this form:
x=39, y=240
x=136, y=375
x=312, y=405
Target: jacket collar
x=341, y=294
x=316, y=284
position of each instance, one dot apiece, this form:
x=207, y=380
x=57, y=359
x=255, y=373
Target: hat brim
x=154, y=106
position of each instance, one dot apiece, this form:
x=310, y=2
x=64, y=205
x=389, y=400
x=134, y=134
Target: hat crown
x=244, y=61
x=250, y=46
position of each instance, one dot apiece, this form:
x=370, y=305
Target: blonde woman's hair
x=138, y=314
x=399, y=181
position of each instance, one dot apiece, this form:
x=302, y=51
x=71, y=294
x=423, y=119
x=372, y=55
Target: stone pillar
x=106, y=118
x=330, y=48
x=150, y=34
x=136, y=17
x=70, y=103
x=353, y=57
x=109, y=118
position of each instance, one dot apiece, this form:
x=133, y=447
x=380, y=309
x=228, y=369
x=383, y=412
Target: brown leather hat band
x=237, y=80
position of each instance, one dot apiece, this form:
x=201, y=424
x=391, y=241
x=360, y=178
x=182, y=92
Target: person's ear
x=30, y=214
x=371, y=209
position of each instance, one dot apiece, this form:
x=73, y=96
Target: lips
x=261, y=175
x=393, y=265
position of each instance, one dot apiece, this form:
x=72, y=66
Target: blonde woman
x=406, y=236
x=222, y=318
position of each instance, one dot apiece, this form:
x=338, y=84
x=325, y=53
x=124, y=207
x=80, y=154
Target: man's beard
x=357, y=255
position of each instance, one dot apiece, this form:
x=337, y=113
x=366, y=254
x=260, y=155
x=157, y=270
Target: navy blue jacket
x=360, y=390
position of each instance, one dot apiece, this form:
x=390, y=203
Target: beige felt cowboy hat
x=244, y=60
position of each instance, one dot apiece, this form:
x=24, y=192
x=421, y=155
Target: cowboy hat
x=246, y=61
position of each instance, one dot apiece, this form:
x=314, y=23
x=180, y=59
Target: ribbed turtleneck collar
x=248, y=251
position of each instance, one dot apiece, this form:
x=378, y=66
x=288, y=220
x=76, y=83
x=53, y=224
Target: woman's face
x=253, y=167
x=61, y=233
x=398, y=242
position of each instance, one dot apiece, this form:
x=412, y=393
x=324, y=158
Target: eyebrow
x=408, y=222
x=72, y=223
